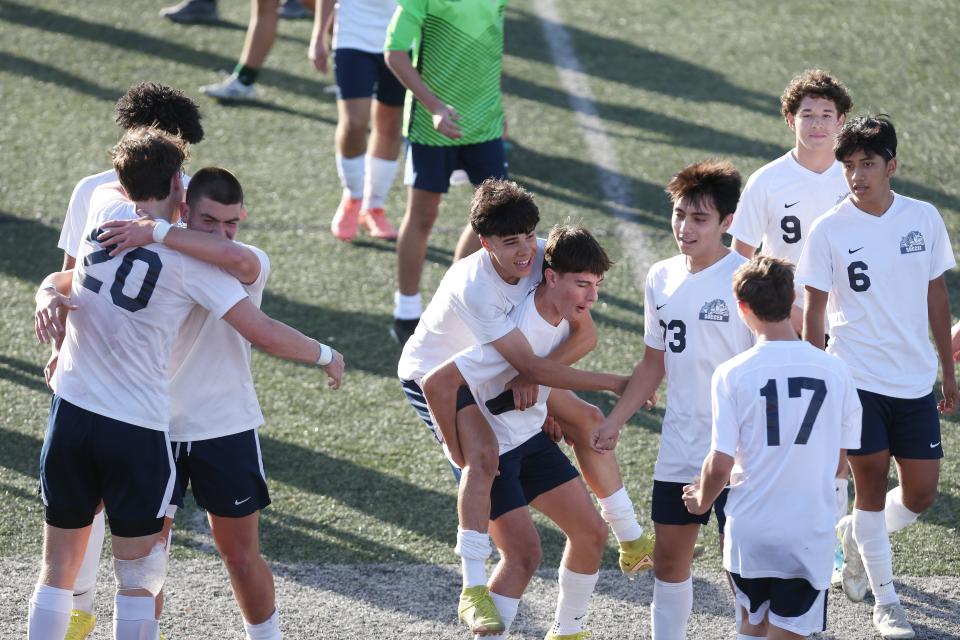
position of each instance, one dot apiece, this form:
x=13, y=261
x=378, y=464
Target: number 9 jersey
x=114, y=358
x=693, y=319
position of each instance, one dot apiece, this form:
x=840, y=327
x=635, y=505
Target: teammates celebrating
x=488, y=368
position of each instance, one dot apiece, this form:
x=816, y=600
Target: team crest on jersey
x=912, y=243
x=716, y=311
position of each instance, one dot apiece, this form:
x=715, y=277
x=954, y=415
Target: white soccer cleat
x=230, y=88
x=890, y=621
x=853, y=575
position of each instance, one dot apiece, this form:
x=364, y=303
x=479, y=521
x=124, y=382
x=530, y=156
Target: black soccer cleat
x=401, y=330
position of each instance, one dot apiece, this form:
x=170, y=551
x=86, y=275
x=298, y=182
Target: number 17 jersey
x=693, y=319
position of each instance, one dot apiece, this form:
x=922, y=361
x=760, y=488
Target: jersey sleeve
x=749, y=220
x=852, y=421
x=484, y=314
x=75, y=220
x=211, y=287
x=652, y=333
x=726, y=429
x=815, y=267
x=406, y=24
x=941, y=253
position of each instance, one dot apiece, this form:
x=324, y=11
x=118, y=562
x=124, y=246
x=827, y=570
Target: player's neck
x=546, y=306
x=816, y=161
x=775, y=331
x=695, y=264
x=162, y=209
x=875, y=206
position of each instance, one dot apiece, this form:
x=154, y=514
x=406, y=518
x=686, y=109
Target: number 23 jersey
x=693, y=319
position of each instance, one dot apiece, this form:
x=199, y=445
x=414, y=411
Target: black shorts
x=789, y=603
x=429, y=167
x=361, y=74
x=667, y=506
x=226, y=474
x=87, y=458
x=908, y=427
x=414, y=395
x=535, y=467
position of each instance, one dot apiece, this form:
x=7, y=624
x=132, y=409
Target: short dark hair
x=571, y=248
x=503, y=208
x=874, y=135
x=146, y=159
x=815, y=83
x=765, y=284
x=214, y=183
x=717, y=180
x=151, y=104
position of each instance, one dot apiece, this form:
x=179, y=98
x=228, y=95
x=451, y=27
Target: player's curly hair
x=815, y=83
x=717, y=180
x=503, y=208
x=571, y=248
x=874, y=135
x=146, y=159
x=152, y=104
x=765, y=284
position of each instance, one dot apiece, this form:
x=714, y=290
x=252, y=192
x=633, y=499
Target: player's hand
x=525, y=394
x=334, y=370
x=651, y=402
x=693, y=498
x=605, y=437
x=51, y=367
x=126, y=234
x=50, y=313
x=445, y=120
x=949, y=402
x=319, y=52
x=552, y=428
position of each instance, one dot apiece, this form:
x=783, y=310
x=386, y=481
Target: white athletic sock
x=507, y=607
x=377, y=181
x=617, y=511
x=842, y=499
x=85, y=586
x=350, y=171
x=573, y=600
x=670, y=609
x=407, y=307
x=267, y=630
x=133, y=618
x=897, y=515
x=49, y=614
x=870, y=532
x=473, y=548
x=743, y=636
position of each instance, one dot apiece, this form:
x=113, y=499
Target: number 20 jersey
x=693, y=319
x=114, y=358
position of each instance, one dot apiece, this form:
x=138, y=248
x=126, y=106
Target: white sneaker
x=230, y=88
x=853, y=575
x=890, y=621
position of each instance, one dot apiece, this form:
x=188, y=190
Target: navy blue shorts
x=87, y=458
x=429, y=167
x=226, y=474
x=361, y=74
x=908, y=427
x=535, y=467
x=667, y=506
x=789, y=603
x=415, y=397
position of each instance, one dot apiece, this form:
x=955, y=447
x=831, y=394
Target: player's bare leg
x=140, y=565
x=52, y=598
x=350, y=140
x=385, y=137
x=380, y=168
x=261, y=32
x=423, y=207
x=673, y=587
x=517, y=540
x=238, y=541
x=468, y=243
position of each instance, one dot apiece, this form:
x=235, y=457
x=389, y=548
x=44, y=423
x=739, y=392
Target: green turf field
x=354, y=475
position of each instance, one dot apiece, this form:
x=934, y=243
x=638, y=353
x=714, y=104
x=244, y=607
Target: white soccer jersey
x=487, y=373
x=211, y=384
x=114, y=357
x=877, y=271
x=783, y=410
x=362, y=24
x=470, y=307
x=693, y=319
x=75, y=220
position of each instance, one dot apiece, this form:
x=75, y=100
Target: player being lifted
x=876, y=263
x=691, y=326
x=533, y=470
x=782, y=413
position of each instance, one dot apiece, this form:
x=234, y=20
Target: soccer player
x=366, y=171
x=876, y=263
x=533, y=470
x=690, y=327
x=782, y=413
x=453, y=119
x=107, y=438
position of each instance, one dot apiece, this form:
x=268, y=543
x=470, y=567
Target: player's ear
x=184, y=213
x=550, y=276
x=243, y=213
x=484, y=242
x=891, y=167
x=791, y=120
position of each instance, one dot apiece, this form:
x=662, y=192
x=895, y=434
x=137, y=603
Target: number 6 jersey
x=693, y=319
x=114, y=357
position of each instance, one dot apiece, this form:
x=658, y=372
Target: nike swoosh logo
x=934, y=445
x=853, y=250
x=787, y=206
x=661, y=306
x=240, y=502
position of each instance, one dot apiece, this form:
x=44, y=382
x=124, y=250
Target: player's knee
x=355, y=127
x=147, y=573
x=525, y=558
x=594, y=535
x=919, y=501
x=239, y=562
x=483, y=463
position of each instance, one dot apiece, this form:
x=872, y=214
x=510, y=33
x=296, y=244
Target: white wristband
x=160, y=230
x=326, y=355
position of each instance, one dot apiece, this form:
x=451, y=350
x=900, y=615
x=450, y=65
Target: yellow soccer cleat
x=579, y=635
x=81, y=625
x=478, y=611
x=636, y=556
